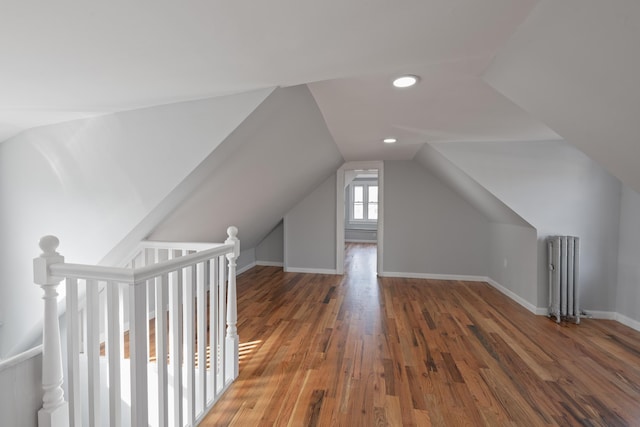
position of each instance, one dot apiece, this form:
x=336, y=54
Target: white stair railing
x=176, y=389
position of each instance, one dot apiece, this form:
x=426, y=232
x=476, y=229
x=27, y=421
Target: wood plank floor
x=355, y=350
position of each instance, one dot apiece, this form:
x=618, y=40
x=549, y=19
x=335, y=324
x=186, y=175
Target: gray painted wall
x=310, y=230
x=428, y=228
x=512, y=261
x=246, y=259
x=628, y=290
x=511, y=237
x=271, y=248
x=472, y=191
x=559, y=190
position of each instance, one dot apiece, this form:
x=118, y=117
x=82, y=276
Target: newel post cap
x=49, y=244
x=232, y=232
x=49, y=256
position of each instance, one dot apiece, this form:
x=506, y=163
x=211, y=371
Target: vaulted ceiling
x=495, y=70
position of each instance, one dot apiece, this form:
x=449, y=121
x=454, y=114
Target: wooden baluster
x=222, y=317
x=161, y=342
x=73, y=353
x=150, y=259
x=189, y=342
x=232, y=340
x=114, y=330
x=175, y=301
x=93, y=351
x=55, y=411
x=201, y=292
x=213, y=324
x=138, y=339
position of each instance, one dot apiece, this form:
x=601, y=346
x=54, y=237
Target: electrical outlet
x=505, y=263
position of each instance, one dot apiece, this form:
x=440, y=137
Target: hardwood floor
x=322, y=350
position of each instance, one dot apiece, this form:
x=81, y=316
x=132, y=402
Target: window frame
x=365, y=201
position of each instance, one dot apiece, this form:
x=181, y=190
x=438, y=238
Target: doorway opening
x=360, y=212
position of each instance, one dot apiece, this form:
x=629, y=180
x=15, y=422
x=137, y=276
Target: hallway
x=324, y=350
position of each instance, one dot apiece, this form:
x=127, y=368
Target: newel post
x=232, y=340
x=55, y=411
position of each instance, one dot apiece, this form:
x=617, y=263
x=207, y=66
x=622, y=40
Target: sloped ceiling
x=91, y=182
x=67, y=60
x=569, y=70
x=469, y=189
x=574, y=64
x=450, y=103
x=281, y=152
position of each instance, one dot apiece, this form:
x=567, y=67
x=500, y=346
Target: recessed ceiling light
x=389, y=140
x=405, y=81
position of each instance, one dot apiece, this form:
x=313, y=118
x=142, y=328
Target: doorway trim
x=340, y=185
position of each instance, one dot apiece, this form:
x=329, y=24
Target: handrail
x=19, y=358
x=137, y=275
x=163, y=244
x=191, y=294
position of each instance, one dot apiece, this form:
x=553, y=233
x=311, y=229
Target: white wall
x=91, y=182
x=271, y=249
x=573, y=64
x=428, y=228
x=558, y=190
x=276, y=157
x=628, y=291
x=21, y=391
x=310, y=231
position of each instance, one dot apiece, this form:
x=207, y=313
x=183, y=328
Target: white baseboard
x=433, y=276
x=604, y=315
x=245, y=268
x=270, y=263
x=627, y=321
x=540, y=311
x=310, y=270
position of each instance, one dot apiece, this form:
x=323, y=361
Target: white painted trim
x=540, y=311
x=310, y=270
x=433, y=276
x=340, y=209
x=19, y=358
x=359, y=241
x=285, y=248
x=373, y=224
x=340, y=219
x=603, y=315
x=627, y=321
x=270, y=263
x=380, y=231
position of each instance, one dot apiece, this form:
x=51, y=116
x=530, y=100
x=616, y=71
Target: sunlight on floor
x=245, y=349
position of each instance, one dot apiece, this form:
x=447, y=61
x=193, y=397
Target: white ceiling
x=491, y=70
x=575, y=64
x=66, y=60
